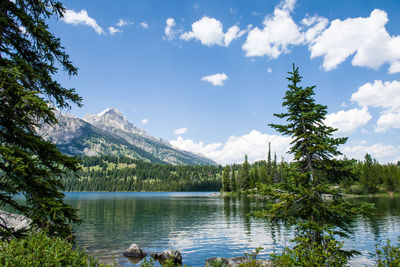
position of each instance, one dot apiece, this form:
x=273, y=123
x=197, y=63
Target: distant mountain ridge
x=110, y=133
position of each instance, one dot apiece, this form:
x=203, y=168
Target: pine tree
x=253, y=176
x=29, y=165
x=263, y=175
x=275, y=176
x=226, y=186
x=234, y=181
x=300, y=200
x=369, y=177
x=269, y=163
x=244, y=174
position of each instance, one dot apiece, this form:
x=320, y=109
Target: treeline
x=111, y=173
x=362, y=177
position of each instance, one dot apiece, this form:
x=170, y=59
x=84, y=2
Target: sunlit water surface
x=203, y=225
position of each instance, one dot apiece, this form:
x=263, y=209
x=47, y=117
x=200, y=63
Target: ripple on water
x=201, y=226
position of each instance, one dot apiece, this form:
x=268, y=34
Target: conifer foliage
x=306, y=199
x=30, y=166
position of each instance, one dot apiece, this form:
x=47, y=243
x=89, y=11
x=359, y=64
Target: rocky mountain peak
x=112, y=118
x=109, y=132
x=113, y=112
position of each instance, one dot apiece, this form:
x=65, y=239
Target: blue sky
x=208, y=75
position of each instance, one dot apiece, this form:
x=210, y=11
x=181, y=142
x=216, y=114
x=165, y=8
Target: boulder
x=14, y=221
x=134, y=251
x=175, y=255
x=235, y=261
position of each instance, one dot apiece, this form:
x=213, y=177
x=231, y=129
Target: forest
x=112, y=173
x=366, y=176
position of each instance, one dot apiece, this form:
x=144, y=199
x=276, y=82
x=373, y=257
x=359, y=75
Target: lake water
x=203, y=225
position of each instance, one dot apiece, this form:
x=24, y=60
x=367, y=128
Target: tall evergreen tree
x=263, y=175
x=253, y=176
x=226, y=185
x=234, y=183
x=369, y=177
x=244, y=174
x=274, y=172
x=29, y=165
x=269, y=163
x=301, y=200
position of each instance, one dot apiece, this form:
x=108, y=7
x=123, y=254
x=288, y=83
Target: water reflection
x=202, y=225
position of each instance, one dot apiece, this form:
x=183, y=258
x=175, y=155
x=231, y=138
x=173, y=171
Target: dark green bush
x=37, y=249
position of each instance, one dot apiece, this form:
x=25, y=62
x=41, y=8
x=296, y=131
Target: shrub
x=388, y=255
x=307, y=253
x=37, y=249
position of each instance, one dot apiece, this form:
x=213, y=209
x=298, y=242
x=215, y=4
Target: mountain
x=110, y=133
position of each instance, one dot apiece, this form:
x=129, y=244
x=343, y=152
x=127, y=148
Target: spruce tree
x=263, y=175
x=234, y=184
x=269, y=163
x=244, y=174
x=369, y=177
x=226, y=186
x=302, y=200
x=29, y=165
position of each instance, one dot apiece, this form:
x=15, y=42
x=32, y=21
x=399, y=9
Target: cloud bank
x=254, y=144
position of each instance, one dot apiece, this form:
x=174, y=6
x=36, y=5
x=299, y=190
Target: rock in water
x=14, y=221
x=134, y=251
x=175, y=255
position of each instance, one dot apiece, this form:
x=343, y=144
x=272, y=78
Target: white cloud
x=287, y=5
x=190, y=145
x=144, y=25
x=378, y=94
x=233, y=33
x=209, y=31
x=316, y=25
x=169, y=30
x=269, y=70
x=180, y=131
x=394, y=67
x=113, y=30
x=279, y=32
x=388, y=120
x=122, y=23
x=254, y=144
x=81, y=17
x=384, y=95
x=145, y=120
x=348, y=121
x=216, y=79
x=366, y=38
x=383, y=153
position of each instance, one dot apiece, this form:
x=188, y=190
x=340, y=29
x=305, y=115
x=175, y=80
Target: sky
x=208, y=75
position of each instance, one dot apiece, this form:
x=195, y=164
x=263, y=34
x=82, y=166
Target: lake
x=203, y=225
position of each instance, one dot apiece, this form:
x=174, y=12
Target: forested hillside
x=111, y=173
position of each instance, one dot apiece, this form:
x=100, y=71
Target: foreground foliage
x=29, y=165
x=388, y=255
x=307, y=253
x=37, y=250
